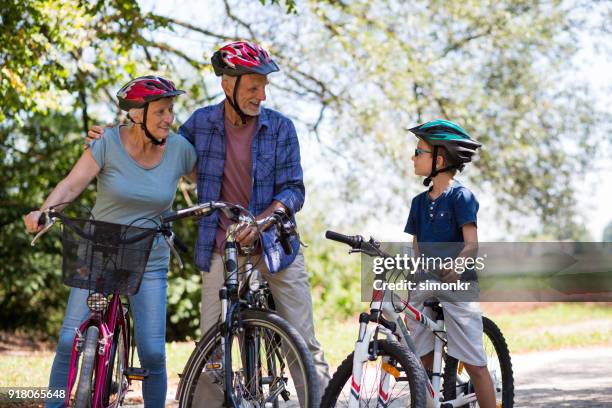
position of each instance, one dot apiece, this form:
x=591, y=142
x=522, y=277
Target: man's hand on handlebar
x=247, y=234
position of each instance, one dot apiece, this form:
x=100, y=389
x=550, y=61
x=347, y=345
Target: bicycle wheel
x=407, y=385
x=456, y=378
x=116, y=381
x=86, y=372
x=271, y=366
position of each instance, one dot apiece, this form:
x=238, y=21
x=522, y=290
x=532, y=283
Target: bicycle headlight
x=97, y=302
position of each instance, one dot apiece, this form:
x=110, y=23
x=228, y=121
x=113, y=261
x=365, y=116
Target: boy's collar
x=453, y=183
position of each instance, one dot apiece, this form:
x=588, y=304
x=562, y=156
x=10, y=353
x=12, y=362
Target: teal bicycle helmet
x=458, y=145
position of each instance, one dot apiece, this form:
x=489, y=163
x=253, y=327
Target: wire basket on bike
x=105, y=257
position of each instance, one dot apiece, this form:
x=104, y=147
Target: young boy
x=446, y=212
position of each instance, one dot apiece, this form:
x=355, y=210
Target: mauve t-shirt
x=237, y=178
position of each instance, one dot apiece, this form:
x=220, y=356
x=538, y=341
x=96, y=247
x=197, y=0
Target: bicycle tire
x=116, y=366
x=493, y=335
x=205, y=351
x=409, y=364
x=83, y=395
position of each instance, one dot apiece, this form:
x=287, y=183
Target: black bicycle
x=252, y=357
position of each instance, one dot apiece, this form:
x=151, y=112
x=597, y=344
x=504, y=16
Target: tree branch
x=192, y=27
x=460, y=43
x=229, y=13
x=168, y=48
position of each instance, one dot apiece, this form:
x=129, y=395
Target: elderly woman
x=138, y=167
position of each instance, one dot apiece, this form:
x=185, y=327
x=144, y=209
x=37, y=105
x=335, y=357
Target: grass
x=30, y=370
x=554, y=326
x=560, y=325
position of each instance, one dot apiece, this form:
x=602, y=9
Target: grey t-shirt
x=128, y=193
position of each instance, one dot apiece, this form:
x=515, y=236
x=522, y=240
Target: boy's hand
x=94, y=133
x=449, y=275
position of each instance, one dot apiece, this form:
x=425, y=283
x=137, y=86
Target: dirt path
x=577, y=378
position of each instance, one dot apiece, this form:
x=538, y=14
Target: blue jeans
x=148, y=308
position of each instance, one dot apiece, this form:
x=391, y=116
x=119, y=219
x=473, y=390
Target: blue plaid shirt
x=276, y=175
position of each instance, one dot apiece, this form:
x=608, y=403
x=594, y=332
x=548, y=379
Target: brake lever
x=49, y=222
x=293, y=231
x=170, y=241
x=232, y=213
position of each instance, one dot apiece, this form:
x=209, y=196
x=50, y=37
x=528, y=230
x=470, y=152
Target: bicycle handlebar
x=352, y=241
x=231, y=211
x=358, y=243
x=285, y=227
x=49, y=216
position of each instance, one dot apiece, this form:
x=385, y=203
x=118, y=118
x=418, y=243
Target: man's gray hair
x=229, y=78
x=134, y=111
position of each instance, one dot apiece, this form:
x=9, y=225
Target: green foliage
x=289, y=5
x=334, y=274
x=34, y=157
x=58, y=56
x=368, y=68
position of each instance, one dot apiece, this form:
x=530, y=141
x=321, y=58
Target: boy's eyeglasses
x=419, y=151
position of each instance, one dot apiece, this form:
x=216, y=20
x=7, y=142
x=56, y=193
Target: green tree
x=354, y=74
x=59, y=59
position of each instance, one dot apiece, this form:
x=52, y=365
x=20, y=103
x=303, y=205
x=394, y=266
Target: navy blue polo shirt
x=440, y=220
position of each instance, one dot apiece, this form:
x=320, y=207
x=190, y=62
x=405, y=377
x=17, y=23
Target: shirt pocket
x=442, y=221
x=265, y=167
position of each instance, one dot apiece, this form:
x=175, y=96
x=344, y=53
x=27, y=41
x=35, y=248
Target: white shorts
x=463, y=322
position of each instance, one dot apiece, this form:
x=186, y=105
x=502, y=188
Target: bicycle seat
x=432, y=302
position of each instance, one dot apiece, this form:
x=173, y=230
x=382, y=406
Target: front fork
x=362, y=355
x=228, y=295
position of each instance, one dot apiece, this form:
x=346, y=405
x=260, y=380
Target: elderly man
x=250, y=155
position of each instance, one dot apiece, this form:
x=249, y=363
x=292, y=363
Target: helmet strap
x=234, y=102
x=434, y=171
x=143, y=125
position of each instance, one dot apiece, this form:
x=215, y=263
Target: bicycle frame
x=231, y=300
x=106, y=321
x=113, y=317
x=398, y=330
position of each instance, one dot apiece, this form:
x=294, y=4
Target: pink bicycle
x=109, y=261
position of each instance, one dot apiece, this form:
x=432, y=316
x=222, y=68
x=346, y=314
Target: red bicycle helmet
x=242, y=57
x=140, y=91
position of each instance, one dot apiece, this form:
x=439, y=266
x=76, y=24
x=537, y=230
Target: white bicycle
x=387, y=373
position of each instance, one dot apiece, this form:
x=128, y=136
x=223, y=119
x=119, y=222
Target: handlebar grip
x=352, y=241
